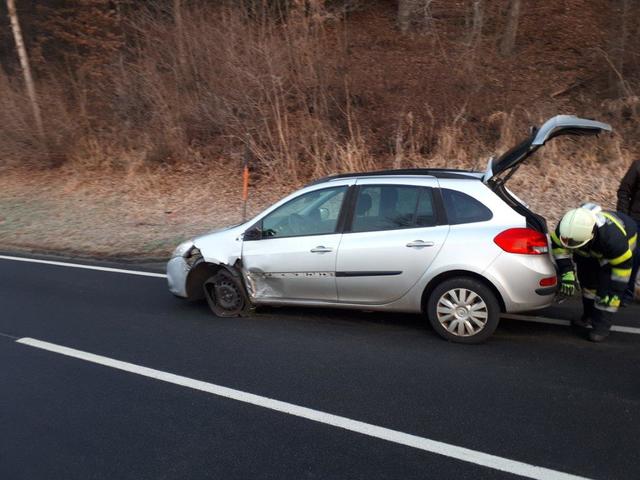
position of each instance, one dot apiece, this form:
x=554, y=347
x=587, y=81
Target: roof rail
x=430, y=172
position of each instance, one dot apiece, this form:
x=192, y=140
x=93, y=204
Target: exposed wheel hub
x=227, y=295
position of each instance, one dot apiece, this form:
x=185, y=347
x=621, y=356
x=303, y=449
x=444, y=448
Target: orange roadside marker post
x=245, y=181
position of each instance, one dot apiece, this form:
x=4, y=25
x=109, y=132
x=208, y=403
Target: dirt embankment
x=151, y=152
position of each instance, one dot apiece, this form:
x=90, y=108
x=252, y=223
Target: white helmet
x=576, y=227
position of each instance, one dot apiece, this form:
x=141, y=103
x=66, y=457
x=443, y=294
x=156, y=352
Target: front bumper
x=177, y=273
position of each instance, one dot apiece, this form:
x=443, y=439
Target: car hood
x=554, y=127
x=223, y=246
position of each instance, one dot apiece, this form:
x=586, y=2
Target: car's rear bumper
x=177, y=272
x=518, y=277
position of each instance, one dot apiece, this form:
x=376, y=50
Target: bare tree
x=411, y=10
x=511, y=30
x=26, y=67
x=622, y=44
x=177, y=18
x=477, y=22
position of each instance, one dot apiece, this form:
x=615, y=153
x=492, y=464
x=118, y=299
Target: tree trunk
x=414, y=12
x=26, y=67
x=511, y=31
x=622, y=50
x=406, y=9
x=177, y=18
x=477, y=22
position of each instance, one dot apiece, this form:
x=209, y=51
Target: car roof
x=406, y=172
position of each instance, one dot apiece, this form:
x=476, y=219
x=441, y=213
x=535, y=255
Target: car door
x=290, y=254
x=395, y=232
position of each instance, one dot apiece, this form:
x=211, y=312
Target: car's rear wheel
x=463, y=310
x=225, y=294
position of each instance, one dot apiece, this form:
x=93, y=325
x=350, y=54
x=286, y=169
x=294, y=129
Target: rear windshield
x=462, y=208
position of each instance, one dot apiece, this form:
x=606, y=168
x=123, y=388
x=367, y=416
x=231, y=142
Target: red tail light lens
x=522, y=240
x=548, y=282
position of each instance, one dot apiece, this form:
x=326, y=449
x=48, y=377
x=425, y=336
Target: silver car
x=455, y=245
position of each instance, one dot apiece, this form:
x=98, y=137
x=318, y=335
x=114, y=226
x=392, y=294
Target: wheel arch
x=435, y=281
x=200, y=272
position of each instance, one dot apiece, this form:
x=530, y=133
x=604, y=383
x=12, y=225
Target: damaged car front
x=196, y=260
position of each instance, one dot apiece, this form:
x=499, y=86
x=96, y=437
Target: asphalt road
x=535, y=393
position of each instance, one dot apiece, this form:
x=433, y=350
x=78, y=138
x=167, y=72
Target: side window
x=313, y=213
x=426, y=213
x=392, y=207
x=462, y=208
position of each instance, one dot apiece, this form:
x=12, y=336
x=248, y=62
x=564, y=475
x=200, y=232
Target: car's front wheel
x=225, y=294
x=463, y=310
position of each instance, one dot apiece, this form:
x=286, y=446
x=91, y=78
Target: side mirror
x=253, y=233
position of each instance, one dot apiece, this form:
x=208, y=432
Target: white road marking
x=86, y=267
x=394, y=436
x=555, y=321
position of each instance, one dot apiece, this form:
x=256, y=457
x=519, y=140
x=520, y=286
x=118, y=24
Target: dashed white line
x=555, y=321
x=394, y=436
x=85, y=267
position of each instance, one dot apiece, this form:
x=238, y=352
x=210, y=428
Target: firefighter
x=600, y=245
x=629, y=203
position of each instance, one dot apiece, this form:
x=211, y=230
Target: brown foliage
x=314, y=87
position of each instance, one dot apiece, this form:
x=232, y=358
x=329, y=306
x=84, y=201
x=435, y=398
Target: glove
x=568, y=283
x=608, y=302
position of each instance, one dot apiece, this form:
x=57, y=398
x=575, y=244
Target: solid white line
x=528, y=318
x=555, y=321
x=421, y=443
x=86, y=267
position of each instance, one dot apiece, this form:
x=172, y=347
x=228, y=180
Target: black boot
x=587, y=313
x=598, y=335
x=601, y=320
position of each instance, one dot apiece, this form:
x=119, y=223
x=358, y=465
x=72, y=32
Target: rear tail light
x=548, y=281
x=522, y=240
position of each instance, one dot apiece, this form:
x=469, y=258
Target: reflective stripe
x=622, y=258
x=621, y=274
x=620, y=278
x=588, y=293
x=632, y=242
x=606, y=308
x=617, y=222
x=556, y=241
x=561, y=256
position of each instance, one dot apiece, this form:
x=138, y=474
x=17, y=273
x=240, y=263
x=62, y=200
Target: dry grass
x=150, y=153
x=119, y=213
x=144, y=212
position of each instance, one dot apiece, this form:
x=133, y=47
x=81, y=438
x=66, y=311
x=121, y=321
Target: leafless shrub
x=20, y=143
x=249, y=75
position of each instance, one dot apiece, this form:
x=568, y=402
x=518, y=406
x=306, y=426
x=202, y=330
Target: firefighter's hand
x=568, y=283
x=608, y=302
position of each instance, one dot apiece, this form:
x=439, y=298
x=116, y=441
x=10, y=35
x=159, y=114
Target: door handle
x=321, y=249
x=419, y=244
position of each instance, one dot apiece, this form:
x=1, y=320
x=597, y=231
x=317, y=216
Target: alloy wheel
x=462, y=312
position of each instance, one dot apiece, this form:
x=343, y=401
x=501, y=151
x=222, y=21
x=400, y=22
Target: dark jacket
x=613, y=243
x=629, y=192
